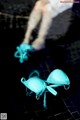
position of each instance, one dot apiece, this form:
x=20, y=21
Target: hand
x=38, y=44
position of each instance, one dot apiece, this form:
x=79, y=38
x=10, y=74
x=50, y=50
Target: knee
x=46, y=10
x=38, y=5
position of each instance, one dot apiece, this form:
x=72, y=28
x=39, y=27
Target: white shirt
x=58, y=6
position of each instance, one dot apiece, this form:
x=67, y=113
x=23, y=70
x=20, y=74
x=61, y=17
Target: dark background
x=62, y=52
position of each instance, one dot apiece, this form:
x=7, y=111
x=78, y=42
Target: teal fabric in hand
x=23, y=52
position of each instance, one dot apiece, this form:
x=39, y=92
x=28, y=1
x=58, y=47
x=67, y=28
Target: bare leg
x=39, y=43
x=35, y=17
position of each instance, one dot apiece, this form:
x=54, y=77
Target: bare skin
x=43, y=12
x=39, y=11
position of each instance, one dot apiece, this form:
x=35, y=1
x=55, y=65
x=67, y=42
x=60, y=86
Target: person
x=44, y=11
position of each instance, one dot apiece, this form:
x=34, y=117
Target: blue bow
x=23, y=52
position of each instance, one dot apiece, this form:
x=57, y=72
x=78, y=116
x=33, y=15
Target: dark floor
x=65, y=106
